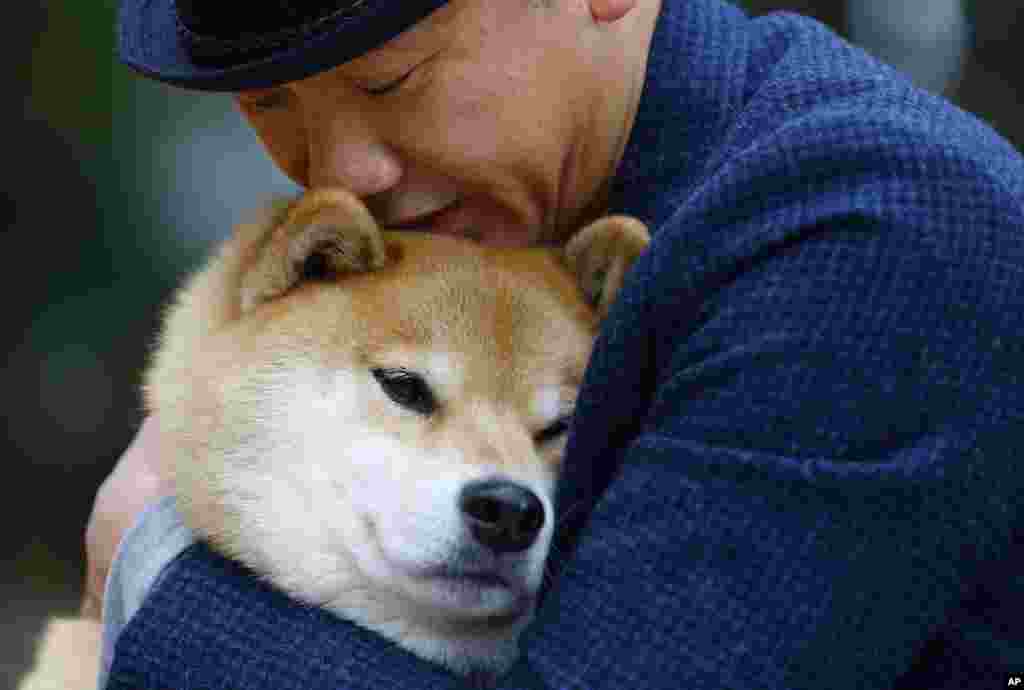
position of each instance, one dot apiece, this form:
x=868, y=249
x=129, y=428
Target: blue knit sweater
x=796, y=457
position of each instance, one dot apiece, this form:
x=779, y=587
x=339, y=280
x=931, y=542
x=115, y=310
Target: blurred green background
x=118, y=186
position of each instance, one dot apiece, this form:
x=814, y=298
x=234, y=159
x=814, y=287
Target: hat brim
x=148, y=43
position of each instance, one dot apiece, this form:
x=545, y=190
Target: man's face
x=479, y=121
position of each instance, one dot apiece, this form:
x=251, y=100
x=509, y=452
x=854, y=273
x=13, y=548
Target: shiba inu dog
x=374, y=420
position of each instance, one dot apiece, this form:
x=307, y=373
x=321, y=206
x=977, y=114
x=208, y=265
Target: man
x=792, y=464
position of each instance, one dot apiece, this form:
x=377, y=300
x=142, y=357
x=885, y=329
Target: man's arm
x=795, y=440
x=819, y=365
x=799, y=436
x=140, y=478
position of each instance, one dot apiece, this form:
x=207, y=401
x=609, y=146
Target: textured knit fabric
x=796, y=456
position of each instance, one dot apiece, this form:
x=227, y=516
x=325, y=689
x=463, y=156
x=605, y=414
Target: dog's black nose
x=501, y=515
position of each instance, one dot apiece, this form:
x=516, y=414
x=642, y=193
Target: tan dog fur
x=290, y=457
x=67, y=656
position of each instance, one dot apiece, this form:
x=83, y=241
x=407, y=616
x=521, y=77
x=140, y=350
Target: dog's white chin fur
x=345, y=517
x=464, y=647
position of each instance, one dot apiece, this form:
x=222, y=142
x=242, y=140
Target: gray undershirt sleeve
x=147, y=548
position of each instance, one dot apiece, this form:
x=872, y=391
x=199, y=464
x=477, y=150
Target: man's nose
x=353, y=158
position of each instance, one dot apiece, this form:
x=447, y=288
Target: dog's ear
x=600, y=255
x=323, y=234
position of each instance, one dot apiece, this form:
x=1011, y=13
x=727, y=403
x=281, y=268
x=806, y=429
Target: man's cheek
x=286, y=146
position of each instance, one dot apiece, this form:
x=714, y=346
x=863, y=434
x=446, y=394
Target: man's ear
x=600, y=255
x=325, y=233
x=605, y=11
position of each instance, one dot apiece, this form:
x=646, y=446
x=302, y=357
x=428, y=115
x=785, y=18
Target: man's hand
x=140, y=478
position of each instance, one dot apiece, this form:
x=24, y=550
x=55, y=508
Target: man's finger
x=92, y=605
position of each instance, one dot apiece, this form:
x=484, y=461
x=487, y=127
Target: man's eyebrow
x=420, y=43
x=389, y=58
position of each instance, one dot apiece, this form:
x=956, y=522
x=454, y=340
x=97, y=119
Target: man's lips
x=422, y=221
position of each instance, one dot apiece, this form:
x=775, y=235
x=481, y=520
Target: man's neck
x=612, y=131
x=646, y=19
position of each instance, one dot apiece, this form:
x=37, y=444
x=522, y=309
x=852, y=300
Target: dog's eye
x=407, y=389
x=316, y=266
x=553, y=430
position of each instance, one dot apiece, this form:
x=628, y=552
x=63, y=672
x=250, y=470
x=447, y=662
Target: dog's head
x=375, y=420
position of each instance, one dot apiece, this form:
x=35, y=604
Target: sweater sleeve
x=813, y=456
x=795, y=449
x=795, y=459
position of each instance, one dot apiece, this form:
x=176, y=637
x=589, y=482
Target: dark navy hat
x=219, y=45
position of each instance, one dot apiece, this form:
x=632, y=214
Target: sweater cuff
x=154, y=541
